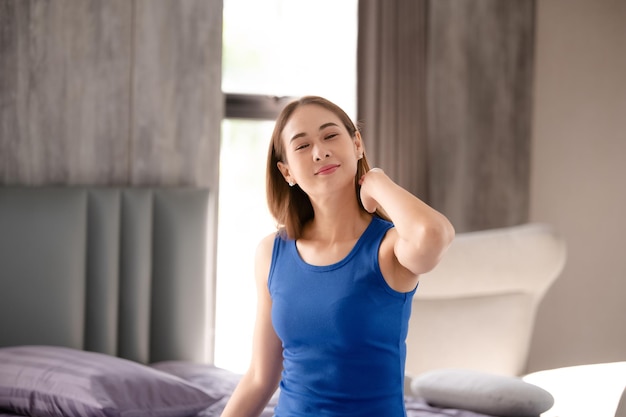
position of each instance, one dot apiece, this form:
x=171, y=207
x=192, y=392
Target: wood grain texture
x=64, y=91
x=176, y=92
x=444, y=94
x=480, y=67
x=116, y=92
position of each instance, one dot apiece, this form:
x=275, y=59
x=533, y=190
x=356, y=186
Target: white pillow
x=481, y=392
x=621, y=406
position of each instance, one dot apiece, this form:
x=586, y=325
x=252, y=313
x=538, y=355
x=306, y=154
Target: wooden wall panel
x=176, y=92
x=479, y=101
x=64, y=91
x=110, y=92
x=445, y=92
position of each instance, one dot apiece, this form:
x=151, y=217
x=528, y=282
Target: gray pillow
x=49, y=381
x=481, y=392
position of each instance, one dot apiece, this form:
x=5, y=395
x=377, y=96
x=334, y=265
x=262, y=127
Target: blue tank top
x=343, y=331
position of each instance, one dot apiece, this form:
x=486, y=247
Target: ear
x=284, y=169
x=358, y=145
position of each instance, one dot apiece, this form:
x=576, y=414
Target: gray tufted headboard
x=113, y=270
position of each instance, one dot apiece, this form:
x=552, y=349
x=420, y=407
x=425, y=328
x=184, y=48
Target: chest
x=347, y=306
x=320, y=254
x=309, y=311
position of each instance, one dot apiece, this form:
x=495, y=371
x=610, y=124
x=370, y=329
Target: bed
x=104, y=312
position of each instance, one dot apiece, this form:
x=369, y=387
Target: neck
x=337, y=218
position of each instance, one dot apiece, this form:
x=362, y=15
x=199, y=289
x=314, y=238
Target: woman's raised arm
x=422, y=233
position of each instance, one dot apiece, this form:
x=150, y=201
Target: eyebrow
x=322, y=127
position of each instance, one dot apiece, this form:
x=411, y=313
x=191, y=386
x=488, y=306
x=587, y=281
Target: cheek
x=299, y=172
x=297, y=160
x=294, y=166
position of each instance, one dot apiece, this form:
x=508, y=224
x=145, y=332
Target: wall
x=444, y=94
x=577, y=181
x=112, y=92
x=479, y=101
x=115, y=92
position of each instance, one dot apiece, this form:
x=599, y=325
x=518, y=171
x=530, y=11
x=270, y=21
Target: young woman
x=335, y=284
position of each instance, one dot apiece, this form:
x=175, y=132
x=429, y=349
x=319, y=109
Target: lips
x=327, y=169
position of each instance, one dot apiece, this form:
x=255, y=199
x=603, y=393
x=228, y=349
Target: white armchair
x=477, y=308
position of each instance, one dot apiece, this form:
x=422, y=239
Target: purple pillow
x=49, y=381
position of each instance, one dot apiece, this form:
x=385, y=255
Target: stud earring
x=291, y=183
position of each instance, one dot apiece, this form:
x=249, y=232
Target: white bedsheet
x=584, y=390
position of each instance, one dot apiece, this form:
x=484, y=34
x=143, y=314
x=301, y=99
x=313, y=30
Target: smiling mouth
x=327, y=169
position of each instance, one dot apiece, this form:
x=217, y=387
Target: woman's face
x=320, y=154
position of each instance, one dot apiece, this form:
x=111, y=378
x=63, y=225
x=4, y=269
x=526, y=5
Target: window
x=272, y=50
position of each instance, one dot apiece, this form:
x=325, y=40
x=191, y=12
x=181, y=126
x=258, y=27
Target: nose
x=321, y=153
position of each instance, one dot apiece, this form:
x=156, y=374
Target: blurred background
x=496, y=112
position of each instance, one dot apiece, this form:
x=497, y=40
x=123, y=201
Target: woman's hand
x=367, y=182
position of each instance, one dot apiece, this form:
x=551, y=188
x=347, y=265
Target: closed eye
x=304, y=145
x=330, y=136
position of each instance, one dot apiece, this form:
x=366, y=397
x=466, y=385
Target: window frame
x=254, y=106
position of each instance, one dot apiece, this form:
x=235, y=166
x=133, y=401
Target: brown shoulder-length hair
x=290, y=206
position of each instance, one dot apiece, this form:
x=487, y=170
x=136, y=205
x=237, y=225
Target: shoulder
x=263, y=258
x=266, y=246
x=382, y=231
x=381, y=223
x=388, y=242
x=398, y=277
x=267, y=242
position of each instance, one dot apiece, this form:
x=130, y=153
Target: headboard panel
x=42, y=241
x=114, y=270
